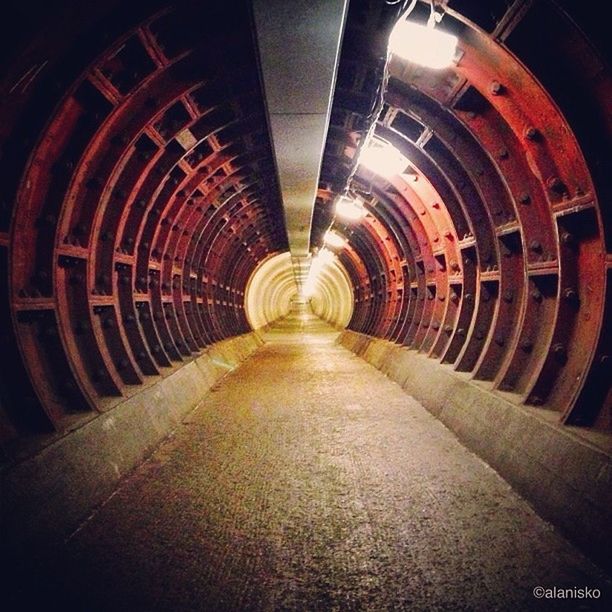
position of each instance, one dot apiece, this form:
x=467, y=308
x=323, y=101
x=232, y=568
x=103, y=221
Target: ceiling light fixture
x=350, y=209
x=382, y=158
x=422, y=44
x=333, y=239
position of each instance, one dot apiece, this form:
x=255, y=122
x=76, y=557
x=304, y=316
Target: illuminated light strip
x=323, y=258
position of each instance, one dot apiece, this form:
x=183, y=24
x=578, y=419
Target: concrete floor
x=308, y=481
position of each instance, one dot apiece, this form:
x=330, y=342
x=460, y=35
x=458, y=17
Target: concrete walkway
x=308, y=481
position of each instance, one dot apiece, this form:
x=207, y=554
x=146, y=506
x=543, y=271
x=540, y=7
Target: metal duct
x=299, y=45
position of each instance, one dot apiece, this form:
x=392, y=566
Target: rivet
x=500, y=341
x=535, y=246
x=526, y=346
x=554, y=183
x=531, y=133
x=536, y=295
x=496, y=88
x=560, y=352
x=570, y=294
x=508, y=296
x=524, y=198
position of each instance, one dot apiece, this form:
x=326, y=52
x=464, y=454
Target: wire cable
x=378, y=103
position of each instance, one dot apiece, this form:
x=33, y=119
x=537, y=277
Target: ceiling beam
x=299, y=44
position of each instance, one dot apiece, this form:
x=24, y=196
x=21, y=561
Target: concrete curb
x=46, y=496
x=566, y=479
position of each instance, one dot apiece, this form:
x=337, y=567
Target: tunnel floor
x=306, y=480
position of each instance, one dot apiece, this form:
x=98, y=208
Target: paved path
x=308, y=481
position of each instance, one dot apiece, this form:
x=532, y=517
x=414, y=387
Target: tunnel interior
x=141, y=221
x=139, y=197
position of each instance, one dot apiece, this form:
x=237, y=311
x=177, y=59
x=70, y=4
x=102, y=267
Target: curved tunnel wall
x=272, y=288
x=332, y=299
x=491, y=251
x=139, y=195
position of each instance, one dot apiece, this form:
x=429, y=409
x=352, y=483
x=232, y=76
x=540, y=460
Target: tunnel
x=192, y=189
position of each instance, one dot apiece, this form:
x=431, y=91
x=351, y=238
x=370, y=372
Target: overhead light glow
x=422, y=44
x=323, y=256
x=382, y=158
x=319, y=261
x=350, y=209
x=334, y=240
